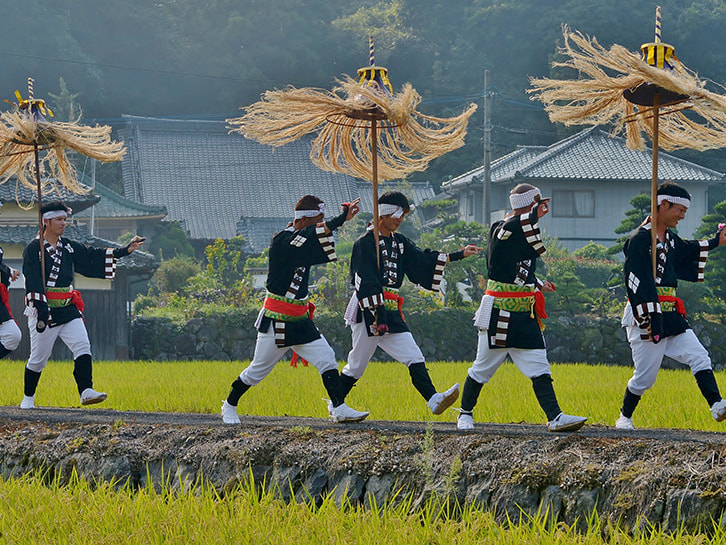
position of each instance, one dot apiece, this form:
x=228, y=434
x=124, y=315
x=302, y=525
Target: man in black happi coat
x=286, y=320
x=655, y=317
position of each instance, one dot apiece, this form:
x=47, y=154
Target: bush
x=172, y=274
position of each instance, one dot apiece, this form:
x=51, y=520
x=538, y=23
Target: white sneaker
x=229, y=413
x=624, y=423
x=718, y=410
x=28, y=402
x=439, y=402
x=89, y=396
x=566, y=422
x=465, y=422
x=343, y=413
x=330, y=406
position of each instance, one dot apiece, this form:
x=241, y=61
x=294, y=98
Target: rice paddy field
x=385, y=390
x=34, y=510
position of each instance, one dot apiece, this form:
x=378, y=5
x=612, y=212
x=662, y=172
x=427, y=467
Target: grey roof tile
x=591, y=154
x=113, y=205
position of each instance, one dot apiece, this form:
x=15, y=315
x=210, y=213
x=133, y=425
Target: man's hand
x=43, y=316
x=135, y=243
x=471, y=249
x=353, y=209
x=14, y=274
x=547, y=287
x=722, y=234
x=655, y=327
x=543, y=206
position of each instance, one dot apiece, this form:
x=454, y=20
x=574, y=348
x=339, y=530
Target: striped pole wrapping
x=371, y=55
x=657, y=25
x=30, y=89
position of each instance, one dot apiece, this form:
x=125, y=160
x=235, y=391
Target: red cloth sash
x=290, y=309
x=680, y=307
x=539, y=299
x=74, y=296
x=392, y=296
x=5, y=297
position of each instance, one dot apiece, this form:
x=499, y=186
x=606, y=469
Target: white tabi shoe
x=439, y=402
x=342, y=413
x=28, y=402
x=229, y=413
x=330, y=406
x=718, y=410
x=89, y=396
x=566, y=422
x=624, y=423
x=465, y=422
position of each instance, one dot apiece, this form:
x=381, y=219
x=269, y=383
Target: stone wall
x=445, y=335
x=638, y=481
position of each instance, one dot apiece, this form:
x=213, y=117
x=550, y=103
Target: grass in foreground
x=31, y=511
x=595, y=391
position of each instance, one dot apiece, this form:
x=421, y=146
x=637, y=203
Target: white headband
x=310, y=213
x=522, y=200
x=55, y=214
x=386, y=209
x=674, y=200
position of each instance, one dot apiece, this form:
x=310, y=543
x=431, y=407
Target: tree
x=173, y=274
x=640, y=209
x=226, y=260
x=471, y=271
x=716, y=265
x=65, y=107
x=169, y=240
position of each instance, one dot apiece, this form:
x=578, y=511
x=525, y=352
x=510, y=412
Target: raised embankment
x=662, y=478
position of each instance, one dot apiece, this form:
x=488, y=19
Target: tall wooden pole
x=654, y=187
x=374, y=180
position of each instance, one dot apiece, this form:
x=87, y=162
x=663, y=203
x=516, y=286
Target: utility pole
x=487, y=181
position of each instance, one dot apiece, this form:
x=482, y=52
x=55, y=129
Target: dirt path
x=104, y=416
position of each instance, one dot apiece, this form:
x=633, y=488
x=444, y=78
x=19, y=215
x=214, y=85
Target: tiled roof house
x=220, y=185
x=591, y=177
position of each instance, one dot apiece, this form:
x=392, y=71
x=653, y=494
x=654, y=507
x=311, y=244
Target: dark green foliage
x=716, y=265
x=172, y=274
x=169, y=240
x=634, y=217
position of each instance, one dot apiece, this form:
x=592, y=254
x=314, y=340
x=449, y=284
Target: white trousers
x=267, y=354
x=400, y=346
x=73, y=334
x=648, y=356
x=10, y=334
x=532, y=362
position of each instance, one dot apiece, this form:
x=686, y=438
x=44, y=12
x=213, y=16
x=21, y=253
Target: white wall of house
x=580, y=211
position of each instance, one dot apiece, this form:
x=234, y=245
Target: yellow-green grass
x=33, y=512
x=595, y=391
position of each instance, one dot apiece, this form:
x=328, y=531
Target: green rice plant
x=35, y=512
x=385, y=390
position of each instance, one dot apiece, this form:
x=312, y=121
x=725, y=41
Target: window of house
x=573, y=204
